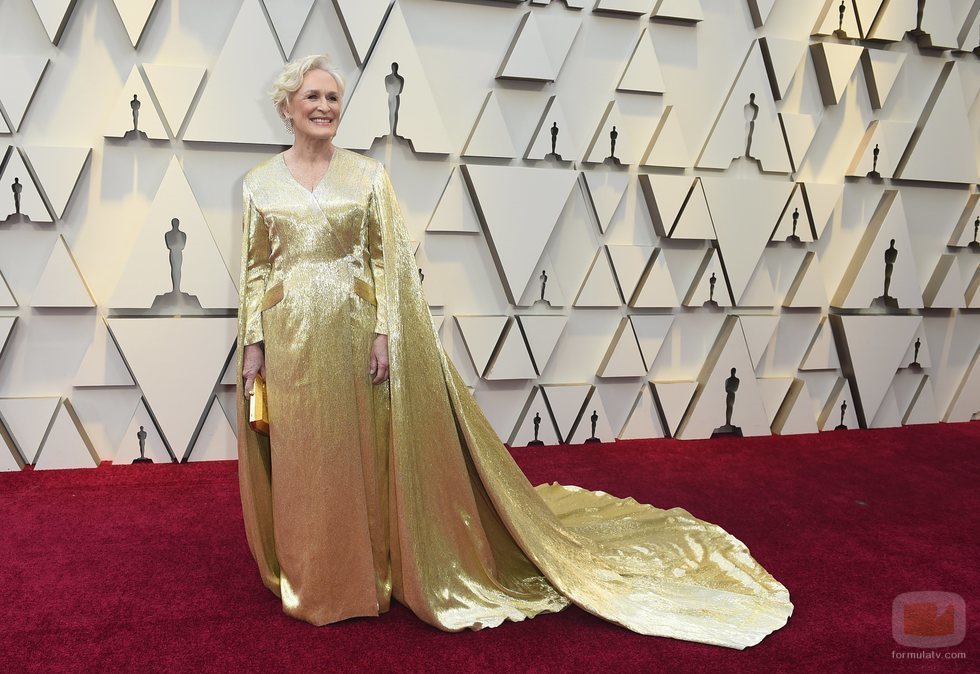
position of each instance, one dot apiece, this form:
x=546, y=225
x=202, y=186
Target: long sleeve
x=384, y=206
x=255, y=268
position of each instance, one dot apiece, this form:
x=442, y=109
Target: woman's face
x=315, y=107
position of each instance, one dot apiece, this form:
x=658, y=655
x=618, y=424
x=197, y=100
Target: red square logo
x=929, y=619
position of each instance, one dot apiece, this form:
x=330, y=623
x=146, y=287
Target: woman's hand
x=379, y=359
x=253, y=363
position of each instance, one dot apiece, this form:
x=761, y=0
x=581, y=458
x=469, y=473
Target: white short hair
x=291, y=78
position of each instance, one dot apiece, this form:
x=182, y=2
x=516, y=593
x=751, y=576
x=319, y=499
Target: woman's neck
x=311, y=151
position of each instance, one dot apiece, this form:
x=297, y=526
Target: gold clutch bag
x=258, y=407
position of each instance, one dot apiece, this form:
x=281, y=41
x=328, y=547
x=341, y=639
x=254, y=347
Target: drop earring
x=288, y=122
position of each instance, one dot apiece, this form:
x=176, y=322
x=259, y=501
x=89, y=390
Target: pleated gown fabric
x=363, y=492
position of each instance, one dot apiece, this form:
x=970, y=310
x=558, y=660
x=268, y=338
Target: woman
x=369, y=487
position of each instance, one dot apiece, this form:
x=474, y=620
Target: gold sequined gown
x=366, y=491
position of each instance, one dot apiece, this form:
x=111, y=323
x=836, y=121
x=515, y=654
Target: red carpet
x=146, y=569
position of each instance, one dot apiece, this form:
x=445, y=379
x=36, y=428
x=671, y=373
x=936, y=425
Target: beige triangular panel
x=668, y=147
x=28, y=420
x=58, y=170
x=796, y=416
x=177, y=396
x=566, y=402
x=970, y=30
x=890, y=138
x=546, y=427
x=773, y=391
x=888, y=415
x=288, y=18
x=54, y=15
x=629, y=7
x=21, y=75
x=967, y=229
x=800, y=131
x=840, y=401
x=759, y=331
x=137, y=116
x=761, y=291
x=540, y=47
x=673, y=398
x=174, y=87
x=623, y=358
x=491, y=136
x=807, y=289
x=708, y=409
x=481, y=335
x=603, y=429
x=709, y=274
x=644, y=421
x=519, y=208
x=881, y=69
x=944, y=149
x=742, y=212
x=921, y=408
x=946, y=289
x=362, y=20
x=822, y=200
x=629, y=263
x=783, y=58
x=651, y=331
x=66, y=444
x=247, y=66
x=606, y=190
x=31, y=205
x=642, y=73
x=876, y=345
x=657, y=289
x=61, y=285
x=679, y=10
x=7, y=299
x=835, y=64
x=134, y=14
x=614, y=125
x=542, y=334
x=512, y=360
x=599, y=288
x=760, y=10
x=795, y=212
x=832, y=22
x=687, y=267
x=455, y=212
x=729, y=138
x=147, y=274
x=103, y=365
x=665, y=196
x=966, y=401
x=694, y=221
x=866, y=12
x=864, y=279
x=154, y=447
x=822, y=354
x=216, y=441
x=553, y=126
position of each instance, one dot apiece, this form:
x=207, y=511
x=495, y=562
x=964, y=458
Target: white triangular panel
x=216, y=441
x=800, y=418
x=658, y=289
x=455, y=212
x=651, y=331
x=362, y=21
x=606, y=190
x=758, y=334
x=134, y=14
x=946, y=289
x=800, y=131
x=7, y=299
x=31, y=204
x=674, y=397
x=566, y=145
x=835, y=64
x=481, y=334
x=967, y=229
x=512, y=360
x=773, y=391
x=66, y=445
x=542, y=333
x=61, y=285
x=147, y=272
x=554, y=293
x=247, y=66
x=177, y=396
x=599, y=288
x=668, y=147
x=28, y=420
x=104, y=414
x=922, y=408
x=795, y=209
x=566, y=401
x=841, y=397
x=3, y=126
x=701, y=291
x=629, y=263
x=631, y=7
x=54, y=15
x=881, y=70
x=528, y=58
x=6, y=327
x=21, y=75
x=613, y=123
x=174, y=87
x=228, y=399
x=644, y=421
x=666, y=196
x=890, y=137
x=58, y=170
x=546, y=427
x=876, y=345
x=491, y=136
x=694, y=222
x=120, y=119
x=642, y=73
x=520, y=207
x=822, y=200
x=761, y=290
x=924, y=358
x=623, y=358
x=288, y=18
x=680, y=10
x=503, y=405
x=10, y=460
x=966, y=402
x=830, y=21
x=887, y=415
x=807, y=289
x=760, y=10
x=154, y=447
x=822, y=354
x=102, y=365
x=785, y=57
x=867, y=12
x=603, y=430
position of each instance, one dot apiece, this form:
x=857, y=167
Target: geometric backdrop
x=633, y=218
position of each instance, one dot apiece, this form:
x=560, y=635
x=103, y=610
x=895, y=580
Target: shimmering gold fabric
x=366, y=491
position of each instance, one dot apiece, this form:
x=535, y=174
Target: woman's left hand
x=379, y=359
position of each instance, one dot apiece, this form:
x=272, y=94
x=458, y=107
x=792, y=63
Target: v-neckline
x=333, y=160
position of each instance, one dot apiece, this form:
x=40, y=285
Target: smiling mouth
x=321, y=121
